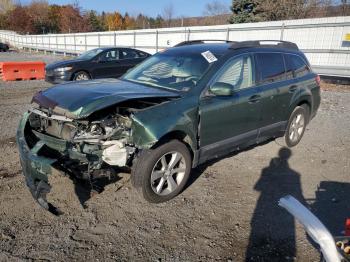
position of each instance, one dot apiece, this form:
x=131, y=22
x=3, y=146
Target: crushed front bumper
x=36, y=169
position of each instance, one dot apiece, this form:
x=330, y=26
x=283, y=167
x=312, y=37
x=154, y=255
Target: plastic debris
x=313, y=226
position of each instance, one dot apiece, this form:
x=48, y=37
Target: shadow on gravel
x=88, y=187
x=331, y=205
x=272, y=236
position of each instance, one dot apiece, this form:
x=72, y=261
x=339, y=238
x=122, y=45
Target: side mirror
x=221, y=89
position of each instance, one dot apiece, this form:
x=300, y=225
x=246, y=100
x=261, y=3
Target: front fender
x=150, y=125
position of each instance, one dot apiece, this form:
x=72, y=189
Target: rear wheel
x=81, y=76
x=297, y=125
x=161, y=173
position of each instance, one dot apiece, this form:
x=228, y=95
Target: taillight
x=318, y=79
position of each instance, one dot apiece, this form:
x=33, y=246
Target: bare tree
x=6, y=5
x=216, y=8
x=168, y=13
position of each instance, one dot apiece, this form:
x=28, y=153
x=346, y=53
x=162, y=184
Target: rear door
x=275, y=94
x=228, y=121
x=130, y=58
x=298, y=72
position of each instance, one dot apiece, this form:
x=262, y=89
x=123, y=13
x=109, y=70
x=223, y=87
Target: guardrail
x=321, y=39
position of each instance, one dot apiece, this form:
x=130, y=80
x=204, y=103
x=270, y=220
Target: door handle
x=293, y=88
x=254, y=99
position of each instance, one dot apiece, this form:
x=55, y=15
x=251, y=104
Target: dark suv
x=176, y=110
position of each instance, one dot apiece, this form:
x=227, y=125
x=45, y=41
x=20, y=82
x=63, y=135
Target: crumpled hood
x=80, y=99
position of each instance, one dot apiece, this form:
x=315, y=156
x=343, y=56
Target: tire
x=296, y=125
x=155, y=179
x=81, y=76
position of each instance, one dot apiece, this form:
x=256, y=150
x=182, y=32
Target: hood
x=80, y=99
x=63, y=63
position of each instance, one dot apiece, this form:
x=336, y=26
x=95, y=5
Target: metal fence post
x=115, y=38
x=75, y=43
x=282, y=32
x=134, y=39
x=188, y=35
x=98, y=40
x=157, y=41
x=65, y=44
x=228, y=34
x=85, y=36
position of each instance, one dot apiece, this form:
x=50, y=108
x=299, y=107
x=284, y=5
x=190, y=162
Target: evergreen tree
x=94, y=22
x=245, y=11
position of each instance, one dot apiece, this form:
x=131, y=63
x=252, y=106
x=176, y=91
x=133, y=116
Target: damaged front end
x=81, y=148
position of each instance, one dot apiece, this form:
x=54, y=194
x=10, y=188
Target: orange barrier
x=15, y=71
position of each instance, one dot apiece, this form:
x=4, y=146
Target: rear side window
x=296, y=67
x=141, y=54
x=129, y=54
x=271, y=67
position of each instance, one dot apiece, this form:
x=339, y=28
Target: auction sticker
x=209, y=56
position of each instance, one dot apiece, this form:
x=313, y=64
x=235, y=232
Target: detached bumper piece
x=36, y=169
x=86, y=164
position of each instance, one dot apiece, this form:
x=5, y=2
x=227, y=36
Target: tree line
x=40, y=17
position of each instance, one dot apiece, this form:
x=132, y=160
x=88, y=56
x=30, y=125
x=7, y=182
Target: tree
x=142, y=21
x=72, y=21
x=94, y=22
x=24, y=24
x=168, y=13
x=6, y=6
x=128, y=22
x=216, y=8
x=54, y=17
x=114, y=21
x=38, y=10
x=245, y=11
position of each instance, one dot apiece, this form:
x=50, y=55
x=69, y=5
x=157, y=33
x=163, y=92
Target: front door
x=226, y=122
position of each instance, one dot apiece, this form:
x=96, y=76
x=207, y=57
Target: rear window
x=296, y=66
x=271, y=67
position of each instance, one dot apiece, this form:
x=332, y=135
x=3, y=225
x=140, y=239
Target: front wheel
x=161, y=173
x=297, y=125
x=81, y=76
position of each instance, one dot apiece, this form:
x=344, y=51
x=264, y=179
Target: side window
x=129, y=54
x=111, y=55
x=238, y=73
x=296, y=66
x=271, y=67
x=142, y=54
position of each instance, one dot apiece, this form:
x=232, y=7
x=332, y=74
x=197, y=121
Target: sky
x=152, y=8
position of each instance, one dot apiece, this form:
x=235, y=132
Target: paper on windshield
x=209, y=56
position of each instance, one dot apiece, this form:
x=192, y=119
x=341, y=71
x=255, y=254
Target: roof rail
x=265, y=43
x=201, y=41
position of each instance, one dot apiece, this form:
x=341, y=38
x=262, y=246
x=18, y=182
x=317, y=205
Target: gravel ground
x=227, y=213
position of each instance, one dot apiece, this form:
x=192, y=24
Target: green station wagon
x=176, y=110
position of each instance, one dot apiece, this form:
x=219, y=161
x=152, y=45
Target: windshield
x=90, y=54
x=170, y=71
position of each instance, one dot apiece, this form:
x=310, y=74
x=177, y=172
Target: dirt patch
x=326, y=86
